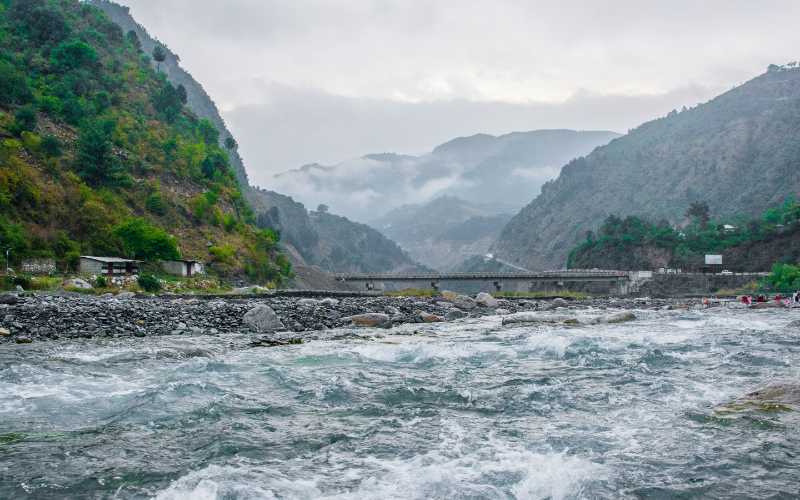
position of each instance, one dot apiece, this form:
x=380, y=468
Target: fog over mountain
x=321, y=81
x=505, y=171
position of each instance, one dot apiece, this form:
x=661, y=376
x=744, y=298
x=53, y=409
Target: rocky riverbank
x=39, y=317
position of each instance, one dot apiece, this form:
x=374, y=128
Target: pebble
x=64, y=317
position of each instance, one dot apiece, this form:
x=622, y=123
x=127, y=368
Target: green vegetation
x=141, y=240
x=701, y=236
x=149, y=283
x=99, y=154
x=784, y=278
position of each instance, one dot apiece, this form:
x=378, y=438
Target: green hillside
x=738, y=153
x=100, y=155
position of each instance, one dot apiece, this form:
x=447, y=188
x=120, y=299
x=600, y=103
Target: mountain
x=328, y=241
x=197, y=99
x=99, y=153
x=507, y=170
x=444, y=232
x=303, y=236
x=738, y=153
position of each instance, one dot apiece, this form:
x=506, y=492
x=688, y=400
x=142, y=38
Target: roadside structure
x=110, y=266
x=184, y=267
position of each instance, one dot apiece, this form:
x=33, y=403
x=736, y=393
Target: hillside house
x=109, y=266
x=185, y=268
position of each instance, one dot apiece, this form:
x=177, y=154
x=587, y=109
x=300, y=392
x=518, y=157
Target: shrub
x=24, y=119
x=100, y=282
x=14, y=87
x=141, y=240
x=223, y=254
x=149, y=283
x=155, y=204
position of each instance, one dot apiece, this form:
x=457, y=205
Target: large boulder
x=9, y=299
x=455, y=314
x=485, y=300
x=620, y=317
x=535, y=317
x=263, y=319
x=448, y=295
x=427, y=317
x=371, y=320
x=77, y=283
x=463, y=302
x=559, y=302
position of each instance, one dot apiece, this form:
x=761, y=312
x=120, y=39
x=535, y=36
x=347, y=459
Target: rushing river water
x=460, y=410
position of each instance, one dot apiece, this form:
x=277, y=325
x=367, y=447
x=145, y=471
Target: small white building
x=109, y=266
x=185, y=268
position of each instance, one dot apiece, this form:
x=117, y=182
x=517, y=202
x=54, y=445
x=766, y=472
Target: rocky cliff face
x=739, y=153
x=445, y=232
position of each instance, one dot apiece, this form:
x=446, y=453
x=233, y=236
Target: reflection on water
x=460, y=410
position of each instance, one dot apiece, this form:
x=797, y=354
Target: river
x=461, y=410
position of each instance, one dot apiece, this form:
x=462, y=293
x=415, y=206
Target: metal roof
x=109, y=260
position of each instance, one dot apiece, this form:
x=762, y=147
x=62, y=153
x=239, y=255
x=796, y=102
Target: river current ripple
x=459, y=410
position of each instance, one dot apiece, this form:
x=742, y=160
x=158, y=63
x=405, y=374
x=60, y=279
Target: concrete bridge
x=588, y=281
x=592, y=281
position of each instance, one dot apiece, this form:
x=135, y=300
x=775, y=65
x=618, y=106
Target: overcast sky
x=302, y=81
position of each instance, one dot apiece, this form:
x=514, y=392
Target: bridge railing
x=588, y=274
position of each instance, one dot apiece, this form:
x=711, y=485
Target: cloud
x=326, y=80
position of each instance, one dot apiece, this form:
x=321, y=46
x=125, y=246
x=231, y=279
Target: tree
x=208, y=132
x=159, y=55
x=14, y=87
x=142, y=240
x=95, y=161
x=51, y=146
x=133, y=38
x=699, y=211
x=216, y=161
x=184, y=98
x=230, y=143
x=24, y=119
x=72, y=55
x=323, y=209
x=168, y=102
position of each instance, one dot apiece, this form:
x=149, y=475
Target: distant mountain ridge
x=446, y=231
x=738, y=152
x=328, y=241
x=507, y=169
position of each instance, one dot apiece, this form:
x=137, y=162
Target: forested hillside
x=100, y=155
x=746, y=244
x=738, y=153
x=328, y=241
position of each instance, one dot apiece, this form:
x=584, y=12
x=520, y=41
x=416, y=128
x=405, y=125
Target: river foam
x=459, y=410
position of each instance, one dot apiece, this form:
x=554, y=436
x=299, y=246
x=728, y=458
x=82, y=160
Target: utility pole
x=8, y=251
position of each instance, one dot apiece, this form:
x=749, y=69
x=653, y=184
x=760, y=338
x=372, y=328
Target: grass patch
x=413, y=292
x=564, y=294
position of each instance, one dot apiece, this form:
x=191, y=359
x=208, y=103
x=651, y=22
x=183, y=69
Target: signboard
x=713, y=260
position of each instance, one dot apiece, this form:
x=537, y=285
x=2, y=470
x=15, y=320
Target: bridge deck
x=486, y=276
